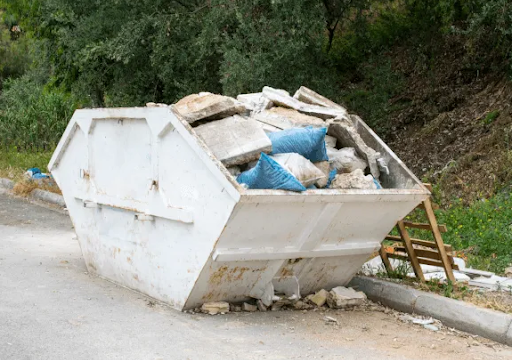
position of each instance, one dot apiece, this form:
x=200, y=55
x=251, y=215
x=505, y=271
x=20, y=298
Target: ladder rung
x=420, y=242
x=421, y=260
x=426, y=253
x=409, y=224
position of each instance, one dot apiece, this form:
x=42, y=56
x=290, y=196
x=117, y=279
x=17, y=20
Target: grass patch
x=481, y=233
x=490, y=117
x=13, y=164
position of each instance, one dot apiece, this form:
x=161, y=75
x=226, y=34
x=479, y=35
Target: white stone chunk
x=308, y=96
x=353, y=180
x=207, y=106
x=235, y=140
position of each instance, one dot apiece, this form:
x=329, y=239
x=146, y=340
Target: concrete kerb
x=6, y=183
x=48, y=197
x=458, y=314
x=38, y=194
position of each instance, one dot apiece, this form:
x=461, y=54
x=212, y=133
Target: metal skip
x=155, y=211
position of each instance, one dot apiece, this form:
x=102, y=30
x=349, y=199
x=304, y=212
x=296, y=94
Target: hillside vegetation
x=433, y=78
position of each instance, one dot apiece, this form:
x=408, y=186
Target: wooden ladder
x=418, y=251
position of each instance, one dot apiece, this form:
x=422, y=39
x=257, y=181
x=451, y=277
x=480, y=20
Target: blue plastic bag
x=40, y=176
x=268, y=174
x=308, y=142
x=332, y=175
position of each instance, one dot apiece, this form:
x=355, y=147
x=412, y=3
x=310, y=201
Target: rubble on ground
x=238, y=131
x=339, y=297
x=214, y=308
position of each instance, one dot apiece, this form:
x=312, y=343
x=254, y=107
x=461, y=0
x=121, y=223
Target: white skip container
x=155, y=211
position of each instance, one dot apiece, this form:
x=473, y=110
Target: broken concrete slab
x=283, y=118
x=216, y=307
x=341, y=297
x=283, y=98
x=235, y=140
x=269, y=128
x=249, y=308
x=250, y=101
x=349, y=137
x=207, y=106
x=255, y=102
x=354, y=180
x=309, y=96
x=320, y=298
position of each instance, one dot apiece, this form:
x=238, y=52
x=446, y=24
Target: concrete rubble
x=345, y=160
x=319, y=298
x=235, y=140
x=348, y=137
x=214, y=308
x=341, y=297
x=237, y=132
x=308, y=96
x=354, y=180
x=283, y=118
x=249, y=307
x=283, y=98
x=207, y=106
x=255, y=102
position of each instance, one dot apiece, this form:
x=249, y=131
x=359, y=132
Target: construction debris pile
x=271, y=140
x=338, y=298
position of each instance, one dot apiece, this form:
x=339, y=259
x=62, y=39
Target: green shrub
x=32, y=115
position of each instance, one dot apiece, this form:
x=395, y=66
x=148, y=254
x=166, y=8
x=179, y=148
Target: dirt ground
x=455, y=128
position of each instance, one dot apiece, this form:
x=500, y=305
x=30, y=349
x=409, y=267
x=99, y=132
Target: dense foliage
x=121, y=52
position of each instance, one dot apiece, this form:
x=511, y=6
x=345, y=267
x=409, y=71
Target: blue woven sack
x=268, y=174
x=308, y=142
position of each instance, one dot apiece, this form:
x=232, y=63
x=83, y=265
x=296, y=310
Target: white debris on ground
x=236, y=132
x=473, y=277
x=338, y=298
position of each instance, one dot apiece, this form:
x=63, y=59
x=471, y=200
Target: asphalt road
x=51, y=308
